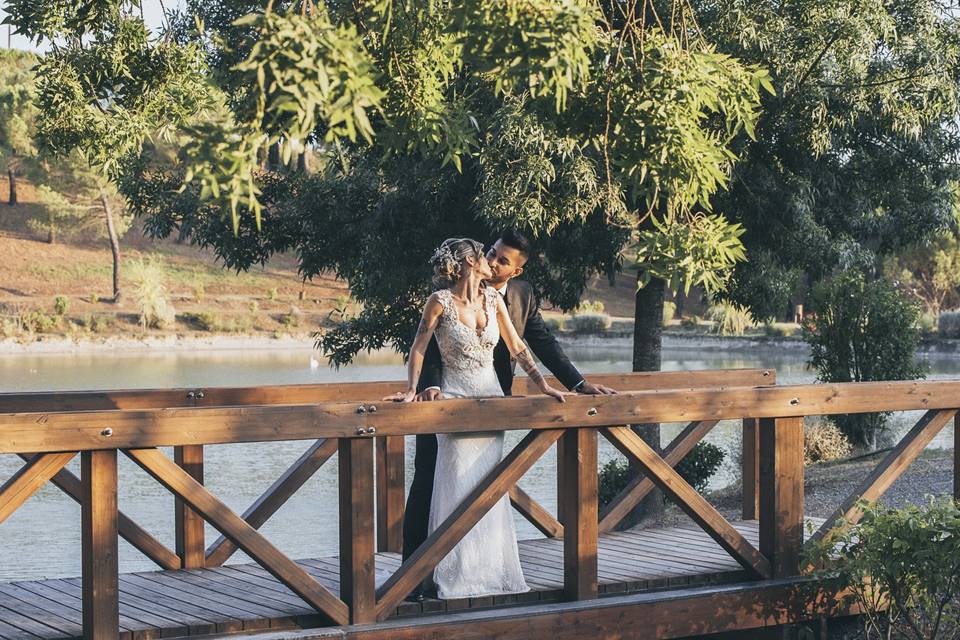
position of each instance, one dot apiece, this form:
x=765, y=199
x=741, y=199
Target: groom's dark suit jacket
x=525, y=313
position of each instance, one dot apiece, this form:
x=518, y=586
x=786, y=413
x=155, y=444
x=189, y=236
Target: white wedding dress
x=486, y=561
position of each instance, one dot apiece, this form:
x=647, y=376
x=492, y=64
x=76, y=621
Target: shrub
x=927, y=323
x=590, y=322
x=862, y=331
x=691, y=322
x=38, y=322
x=773, y=331
x=701, y=464
x=730, y=319
x=669, y=310
x=61, y=305
x=93, y=298
x=901, y=567
x=590, y=306
x=554, y=324
x=150, y=293
x=696, y=468
x=199, y=292
x=948, y=325
x=204, y=320
x=254, y=306
x=823, y=441
x=293, y=318
x=272, y=294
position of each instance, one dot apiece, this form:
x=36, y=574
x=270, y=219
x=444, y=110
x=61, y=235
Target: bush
x=823, y=441
x=150, y=293
x=701, y=464
x=669, y=310
x=948, y=325
x=691, y=322
x=862, y=331
x=204, y=320
x=773, y=331
x=590, y=322
x=272, y=294
x=927, y=323
x=696, y=468
x=901, y=568
x=199, y=292
x=730, y=319
x=590, y=306
x=38, y=322
x=61, y=305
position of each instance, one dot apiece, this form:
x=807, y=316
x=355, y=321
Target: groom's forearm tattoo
x=526, y=361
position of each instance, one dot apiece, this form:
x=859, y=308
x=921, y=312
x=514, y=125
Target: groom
x=507, y=258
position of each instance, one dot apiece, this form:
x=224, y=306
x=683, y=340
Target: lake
x=42, y=539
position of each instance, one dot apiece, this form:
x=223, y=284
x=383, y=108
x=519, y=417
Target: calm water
x=42, y=539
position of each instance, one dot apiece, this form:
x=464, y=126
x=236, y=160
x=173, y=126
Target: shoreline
x=62, y=345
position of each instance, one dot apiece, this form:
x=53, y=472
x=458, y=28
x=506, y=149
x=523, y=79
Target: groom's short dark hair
x=515, y=239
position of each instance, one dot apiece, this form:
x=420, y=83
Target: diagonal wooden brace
x=129, y=530
x=29, y=479
x=687, y=498
x=638, y=487
x=276, y=496
x=477, y=503
x=182, y=485
x=887, y=472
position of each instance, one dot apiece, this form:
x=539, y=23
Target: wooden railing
x=48, y=430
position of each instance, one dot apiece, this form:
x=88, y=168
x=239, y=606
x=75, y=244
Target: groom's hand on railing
x=590, y=389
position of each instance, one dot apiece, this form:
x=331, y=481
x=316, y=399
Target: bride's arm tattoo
x=526, y=361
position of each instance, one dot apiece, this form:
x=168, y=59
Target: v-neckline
x=486, y=314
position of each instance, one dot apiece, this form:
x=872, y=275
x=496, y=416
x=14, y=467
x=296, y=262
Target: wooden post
x=390, y=493
x=190, y=544
x=751, y=469
x=578, y=494
x=561, y=473
x=98, y=523
x=781, y=493
x=357, y=585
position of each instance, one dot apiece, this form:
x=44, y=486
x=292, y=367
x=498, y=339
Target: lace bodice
x=461, y=348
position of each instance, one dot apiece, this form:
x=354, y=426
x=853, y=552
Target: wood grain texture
x=129, y=530
x=750, y=461
x=22, y=433
x=691, y=502
x=289, y=482
x=29, y=479
x=214, y=511
x=98, y=541
x=188, y=524
x=474, y=506
x=887, y=472
x=579, y=496
x=46, y=401
x=781, y=493
x=535, y=513
x=639, y=486
x=357, y=539
x=391, y=471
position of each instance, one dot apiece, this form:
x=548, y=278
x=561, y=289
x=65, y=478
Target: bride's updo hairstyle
x=448, y=260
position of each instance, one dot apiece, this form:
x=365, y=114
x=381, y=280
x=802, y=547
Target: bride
x=469, y=319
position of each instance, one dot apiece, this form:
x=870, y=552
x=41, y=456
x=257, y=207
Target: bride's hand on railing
x=402, y=396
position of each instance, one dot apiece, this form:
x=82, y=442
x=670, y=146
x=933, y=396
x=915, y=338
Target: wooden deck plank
x=245, y=597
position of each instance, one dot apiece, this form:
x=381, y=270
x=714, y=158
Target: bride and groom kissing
x=475, y=328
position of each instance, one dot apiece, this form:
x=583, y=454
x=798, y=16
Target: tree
x=930, y=272
x=856, y=155
x=17, y=114
x=107, y=86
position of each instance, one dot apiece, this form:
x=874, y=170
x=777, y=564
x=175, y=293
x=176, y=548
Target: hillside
x=207, y=298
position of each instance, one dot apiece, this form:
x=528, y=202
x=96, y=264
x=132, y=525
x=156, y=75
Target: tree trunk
x=647, y=344
x=12, y=176
x=114, y=244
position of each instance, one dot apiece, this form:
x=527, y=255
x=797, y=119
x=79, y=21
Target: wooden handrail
x=92, y=430
x=98, y=400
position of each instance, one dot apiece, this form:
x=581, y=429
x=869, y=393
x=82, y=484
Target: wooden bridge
x=588, y=579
